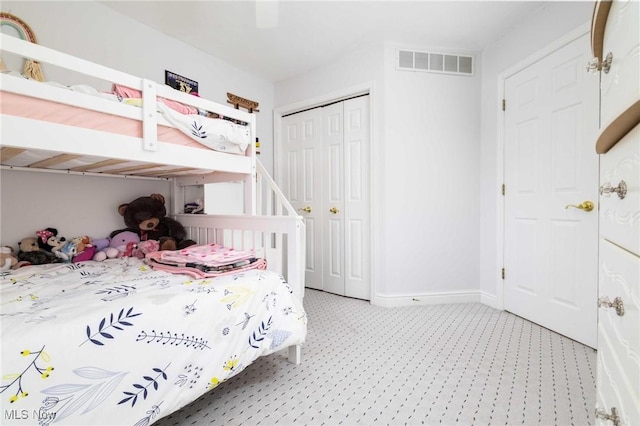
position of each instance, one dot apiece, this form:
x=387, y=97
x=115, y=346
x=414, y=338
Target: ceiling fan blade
x=267, y=13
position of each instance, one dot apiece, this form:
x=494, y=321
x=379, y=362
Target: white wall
x=94, y=32
x=75, y=205
x=548, y=23
x=431, y=237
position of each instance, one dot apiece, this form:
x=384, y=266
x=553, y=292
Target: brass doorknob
x=587, y=206
x=306, y=209
x=334, y=210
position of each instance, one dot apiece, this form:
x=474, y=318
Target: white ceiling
x=309, y=34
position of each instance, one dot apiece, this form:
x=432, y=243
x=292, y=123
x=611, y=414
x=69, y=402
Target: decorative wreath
x=31, y=68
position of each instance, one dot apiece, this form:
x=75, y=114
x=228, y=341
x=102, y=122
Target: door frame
x=583, y=29
x=366, y=88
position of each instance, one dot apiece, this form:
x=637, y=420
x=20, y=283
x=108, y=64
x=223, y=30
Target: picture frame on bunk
x=180, y=83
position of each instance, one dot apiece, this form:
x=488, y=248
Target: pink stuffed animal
x=145, y=247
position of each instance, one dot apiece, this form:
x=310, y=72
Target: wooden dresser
x=616, y=49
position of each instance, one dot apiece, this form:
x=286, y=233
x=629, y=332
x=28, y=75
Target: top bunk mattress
x=140, y=129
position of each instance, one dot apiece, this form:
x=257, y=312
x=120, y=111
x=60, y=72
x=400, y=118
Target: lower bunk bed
x=119, y=342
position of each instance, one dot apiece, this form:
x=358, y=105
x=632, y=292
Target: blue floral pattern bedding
x=117, y=342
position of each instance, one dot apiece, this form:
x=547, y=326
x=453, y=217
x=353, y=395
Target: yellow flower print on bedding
x=29, y=297
x=236, y=296
x=214, y=383
x=36, y=358
x=231, y=364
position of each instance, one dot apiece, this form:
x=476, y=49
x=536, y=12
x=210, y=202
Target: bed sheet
x=117, y=342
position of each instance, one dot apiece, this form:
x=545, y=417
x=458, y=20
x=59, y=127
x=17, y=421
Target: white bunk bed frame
x=269, y=224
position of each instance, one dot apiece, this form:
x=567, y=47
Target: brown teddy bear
x=147, y=216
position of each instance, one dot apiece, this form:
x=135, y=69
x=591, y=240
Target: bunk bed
x=119, y=342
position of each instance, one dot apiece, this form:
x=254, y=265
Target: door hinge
x=503, y=274
x=503, y=189
x=504, y=104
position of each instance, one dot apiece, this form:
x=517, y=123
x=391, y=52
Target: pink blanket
x=127, y=92
x=205, y=261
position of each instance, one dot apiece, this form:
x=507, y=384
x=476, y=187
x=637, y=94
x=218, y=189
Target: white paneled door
x=326, y=177
x=301, y=162
x=551, y=193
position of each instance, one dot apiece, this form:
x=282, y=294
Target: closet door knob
x=334, y=210
x=606, y=189
x=305, y=209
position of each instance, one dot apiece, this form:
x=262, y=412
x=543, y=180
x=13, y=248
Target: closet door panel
x=357, y=197
x=291, y=181
x=301, y=183
x=333, y=198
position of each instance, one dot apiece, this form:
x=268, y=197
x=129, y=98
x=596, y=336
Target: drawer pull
x=595, y=65
x=604, y=302
x=614, y=416
x=606, y=189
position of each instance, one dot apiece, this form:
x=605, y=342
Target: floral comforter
x=117, y=342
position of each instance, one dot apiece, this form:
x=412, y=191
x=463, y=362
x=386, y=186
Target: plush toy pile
x=148, y=230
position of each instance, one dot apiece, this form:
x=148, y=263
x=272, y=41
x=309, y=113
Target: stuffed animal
x=100, y=243
x=86, y=254
x=7, y=259
x=64, y=251
x=122, y=243
x=30, y=252
x=148, y=217
x=74, y=250
x=145, y=247
x=48, y=239
x=84, y=248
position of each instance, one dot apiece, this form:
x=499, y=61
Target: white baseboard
x=427, y=299
x=490, y=300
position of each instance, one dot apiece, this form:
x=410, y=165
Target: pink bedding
x=28, y=107
x=127, y=92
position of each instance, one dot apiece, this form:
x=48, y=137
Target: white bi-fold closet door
x=325, y=175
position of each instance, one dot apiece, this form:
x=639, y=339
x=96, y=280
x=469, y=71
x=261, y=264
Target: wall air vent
x=444, y=63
